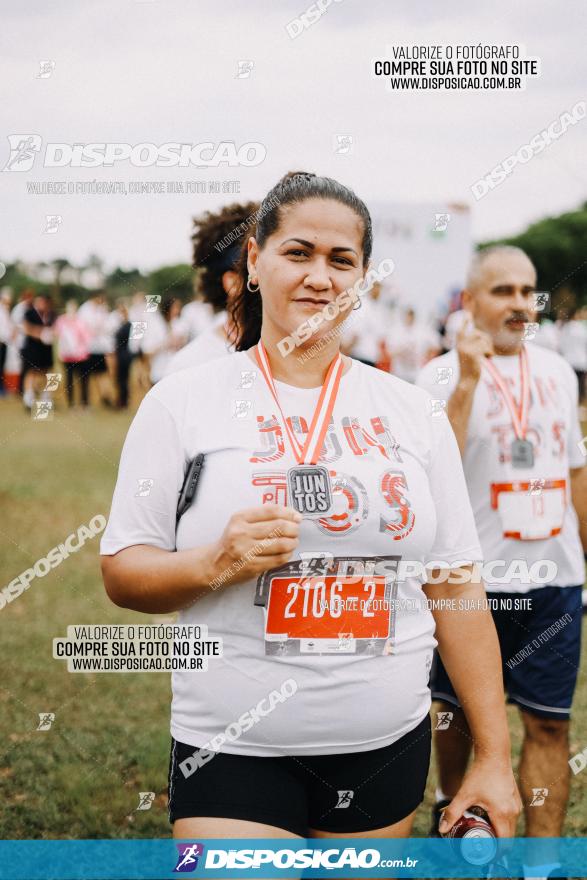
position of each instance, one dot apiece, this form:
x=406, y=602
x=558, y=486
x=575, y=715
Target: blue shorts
x=540, y=651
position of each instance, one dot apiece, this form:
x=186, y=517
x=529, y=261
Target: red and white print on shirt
x=544, y=397
x=351, y=500
x=530, y=510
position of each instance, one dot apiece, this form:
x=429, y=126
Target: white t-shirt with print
x=554, y=431
x=399, y=495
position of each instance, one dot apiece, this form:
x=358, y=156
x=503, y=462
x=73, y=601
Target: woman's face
x=313, y=256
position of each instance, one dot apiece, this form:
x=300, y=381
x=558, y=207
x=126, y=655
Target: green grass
x=110, y=737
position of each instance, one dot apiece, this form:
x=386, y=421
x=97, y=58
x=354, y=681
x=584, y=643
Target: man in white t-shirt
x=513, y=408
x=411, y=343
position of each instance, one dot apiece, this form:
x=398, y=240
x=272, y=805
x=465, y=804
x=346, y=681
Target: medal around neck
x=521, y=449
x=522, y=452
x=309, y=490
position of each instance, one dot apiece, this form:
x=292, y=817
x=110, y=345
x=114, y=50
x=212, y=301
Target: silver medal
x=309, y=490
x=522, y=454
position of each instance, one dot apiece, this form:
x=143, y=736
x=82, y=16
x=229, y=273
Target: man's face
x=501, y=301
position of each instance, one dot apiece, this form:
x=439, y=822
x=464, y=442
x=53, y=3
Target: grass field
x=110, y=736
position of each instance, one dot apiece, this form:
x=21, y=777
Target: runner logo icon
x=344, y=799
x=188, y=855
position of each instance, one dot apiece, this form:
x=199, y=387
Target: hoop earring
x=250, y=288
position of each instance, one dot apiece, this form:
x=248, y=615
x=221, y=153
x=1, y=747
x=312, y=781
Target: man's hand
x=491, y=785
x=472, y=347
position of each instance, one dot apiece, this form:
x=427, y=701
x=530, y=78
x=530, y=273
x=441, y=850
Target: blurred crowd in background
x=100, y=343
x=97, y=345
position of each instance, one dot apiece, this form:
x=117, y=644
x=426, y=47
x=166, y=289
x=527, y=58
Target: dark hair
x=214, y=248
x=166, y=307
x=295, y=187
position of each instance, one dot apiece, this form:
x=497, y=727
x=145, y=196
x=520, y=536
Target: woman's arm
x=469, y=648
x=157, y=581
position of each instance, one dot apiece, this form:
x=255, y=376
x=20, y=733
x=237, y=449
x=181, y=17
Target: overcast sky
x=163, y=71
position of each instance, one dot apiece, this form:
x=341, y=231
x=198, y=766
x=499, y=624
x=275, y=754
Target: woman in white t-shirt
x=331, y=495
x=217, y=243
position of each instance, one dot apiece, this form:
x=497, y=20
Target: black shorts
x=96, y=363
x=540, y=665
x=37, y=357
x=355, y=792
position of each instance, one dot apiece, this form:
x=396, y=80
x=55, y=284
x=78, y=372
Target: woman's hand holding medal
x=255, y=540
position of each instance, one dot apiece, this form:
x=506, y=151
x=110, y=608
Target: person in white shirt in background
x=113, y=324
x=369, y=328
x=412, y=344
x=454, y=322
x=138, y=315
x=165, y=334
x=573, y=345
x=217, y=241
x=547, y=334
x=513, y=408
x=95, y=314
x=197, y=316
x=17, y=318
x=7, y=333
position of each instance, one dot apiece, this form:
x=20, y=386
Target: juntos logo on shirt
x=359, y=440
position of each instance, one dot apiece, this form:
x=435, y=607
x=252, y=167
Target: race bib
x=340, y=606
x=530, y=511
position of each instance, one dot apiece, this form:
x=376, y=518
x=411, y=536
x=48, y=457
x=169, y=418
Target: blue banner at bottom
x=292, y=857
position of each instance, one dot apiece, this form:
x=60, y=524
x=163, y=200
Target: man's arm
x=473, y=346
x=459, y=409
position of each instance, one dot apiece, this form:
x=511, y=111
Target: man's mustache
x=517, y=317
